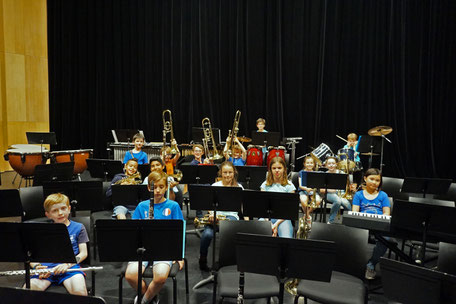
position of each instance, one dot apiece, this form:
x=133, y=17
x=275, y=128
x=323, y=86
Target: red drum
x=77, y=156
x=254, y=156
x=24, y=162
x=275, y=152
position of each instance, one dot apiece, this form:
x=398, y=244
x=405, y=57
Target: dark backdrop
x=312, y=68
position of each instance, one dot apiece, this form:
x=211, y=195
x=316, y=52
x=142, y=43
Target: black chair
x=32, y=199
x=346, y=285
x=256, y=285
x=447, y=258
x=27, y=296
x=295, y=179
x=148, y=273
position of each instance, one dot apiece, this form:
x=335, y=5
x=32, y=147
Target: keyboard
x=376, y=222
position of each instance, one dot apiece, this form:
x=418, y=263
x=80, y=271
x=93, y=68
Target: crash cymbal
x=244, y=139
x=380, y=130
x=369, y=154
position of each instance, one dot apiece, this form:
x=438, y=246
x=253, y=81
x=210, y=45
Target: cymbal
x=370, y=154
x=244, y=139
x=380, y=130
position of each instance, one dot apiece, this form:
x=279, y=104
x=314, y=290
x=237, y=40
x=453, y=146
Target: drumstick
x=340, y=137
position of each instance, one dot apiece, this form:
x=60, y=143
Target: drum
x=24, y=162
x=254, y=156
x=77, y=156
x=275, y=152
x=346, y=153
x=321, y=153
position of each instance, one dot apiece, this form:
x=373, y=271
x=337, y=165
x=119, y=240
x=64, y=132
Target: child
x=305, y=192
x=170, y=160
x=276, y=181
x=260, y=124
x=57, y=208
x=228, y=175
x=163, y=209
x=141, y=156
x=239, y=153
x=131, y=176
x=372, y=200
x=198, y=152
x=352, y=143
x=331, y=196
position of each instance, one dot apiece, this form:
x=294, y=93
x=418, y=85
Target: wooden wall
x=24, y=94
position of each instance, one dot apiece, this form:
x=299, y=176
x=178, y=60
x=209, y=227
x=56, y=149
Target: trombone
x=209, y=137
x=233, y=133
x=168, y=128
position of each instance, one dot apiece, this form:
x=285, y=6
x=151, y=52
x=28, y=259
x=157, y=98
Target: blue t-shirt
x=374, y=206
x=237, y=161
x=278, y=187
x=141, y=156
x=168, y=210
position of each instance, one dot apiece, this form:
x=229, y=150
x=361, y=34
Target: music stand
x=144, y=170
x=425, y=186
x=216, y=199
x=253, y=176
x=202, y=174
x=323, y=180
x=41, y=138
x=35, y=242
x=53, y=172
x=370, y=144
x=430, y=221
x=150, y=240
x=284, y=258
x=269, y=205
x=266, y=138
x=10, y=203
x=124, y=135
x=129, y=195
x=104, y=168
x=198, y=135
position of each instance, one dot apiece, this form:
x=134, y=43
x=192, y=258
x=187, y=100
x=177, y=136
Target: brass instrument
x=209, y=137
x=313, y=200
x=45, y=270
x=168, y=128
x=205, y=220
x=177, y=176
x=134, y=179
x=233, y=133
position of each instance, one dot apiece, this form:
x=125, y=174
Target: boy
x=198, y=152
x=141, y=156
x=57, y=207
x=352, y=142
x=260, y=124
x=163, y=209
x=170, y=160
x=239, y=154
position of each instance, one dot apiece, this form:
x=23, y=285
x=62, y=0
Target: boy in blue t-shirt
x=136, y=152
x=239, y=154
x=164, y=209
x=57, y=207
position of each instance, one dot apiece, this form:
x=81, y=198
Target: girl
x=372, y=200
x=228, y=175
x=277, y=181
x=304, y=192
x=331, y=196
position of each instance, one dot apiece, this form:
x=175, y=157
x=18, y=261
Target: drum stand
x=381, y=153
x=292, y=141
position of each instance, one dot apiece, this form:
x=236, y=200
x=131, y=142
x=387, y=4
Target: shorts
x=59, y=279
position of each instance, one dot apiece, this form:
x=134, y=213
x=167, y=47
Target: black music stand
x=35, y=242
x=266, y=138
x=150, y=240
x=253, y=176
x=425, y=186
x=323, y=180
x=198, y=135
x=104, y=168
x=285, y=258
x=370, y=144
x=53, y=172
x=129, y=195
x=215, y=199
x=83, y=195
x=124, y=135
x=270, y=204
x=202, y=174
x=10, y=203
x=430, y=221
x=144, y=170
x=41, y=138
x=26, y=296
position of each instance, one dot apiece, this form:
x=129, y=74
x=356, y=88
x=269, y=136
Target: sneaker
x=370, y=273
x=136, y=300
x=155, y=300
x=309, y=222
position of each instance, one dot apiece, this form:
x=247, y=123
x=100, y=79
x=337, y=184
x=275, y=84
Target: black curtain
x=312, y=68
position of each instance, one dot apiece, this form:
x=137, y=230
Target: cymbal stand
x=381, y=154
x=293, y=141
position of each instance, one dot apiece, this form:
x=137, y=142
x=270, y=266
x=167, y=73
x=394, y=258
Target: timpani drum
x=275, y=152
x=77, y=156
x=24, y=162
x=254, y=156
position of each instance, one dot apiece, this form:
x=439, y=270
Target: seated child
x=168, y=158
x=57, y=207
x=305, y=192
x=239, y=154
x=198, y=152
x=136, y=152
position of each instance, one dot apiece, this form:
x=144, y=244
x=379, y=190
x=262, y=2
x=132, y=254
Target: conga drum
x=77, y=156
x=275, y=152
x=24, y=162
x=254, y=156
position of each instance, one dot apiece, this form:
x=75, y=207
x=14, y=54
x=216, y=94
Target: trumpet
x=168, y=128
x=233, y=132
x=209, y=137
x=205, y=220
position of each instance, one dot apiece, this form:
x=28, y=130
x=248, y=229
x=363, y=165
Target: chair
x=27, y=296
x=346, y=285
x=256, y=285
x=10, y=205
x=32, y=199
x=295, y=179
x=447, y=258
x=148, y=273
